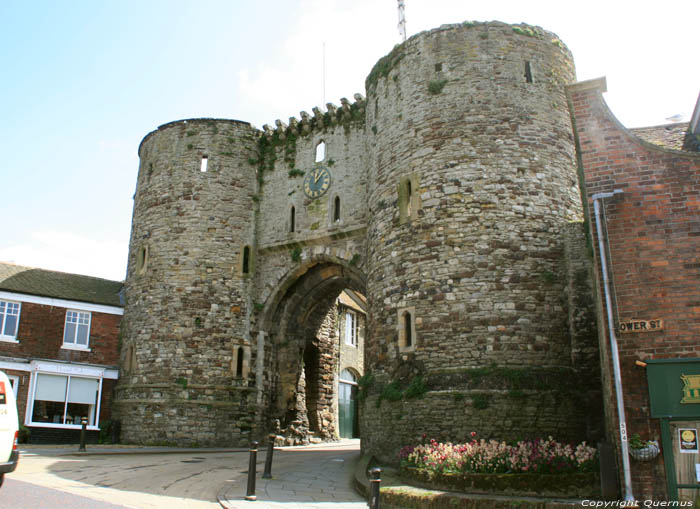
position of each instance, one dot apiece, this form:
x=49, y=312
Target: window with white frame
x=350, y=328
x=9, y=319
x=77, y=331
x=63, y=400
x=14, y=380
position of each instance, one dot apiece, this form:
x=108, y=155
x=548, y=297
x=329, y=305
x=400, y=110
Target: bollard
x=83, y=421
x=268, y=459
x=374, y=481
x=250, y=491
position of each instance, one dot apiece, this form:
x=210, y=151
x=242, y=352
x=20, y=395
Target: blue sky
x=83, y=82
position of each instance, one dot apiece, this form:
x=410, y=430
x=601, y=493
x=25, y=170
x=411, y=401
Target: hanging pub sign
x=628, y=326
x=688, y=440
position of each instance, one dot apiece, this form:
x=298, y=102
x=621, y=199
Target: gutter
x=613, y=345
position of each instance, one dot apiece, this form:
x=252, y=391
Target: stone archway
x=301, y=324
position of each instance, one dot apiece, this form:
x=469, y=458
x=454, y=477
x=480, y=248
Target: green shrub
x=436, y=86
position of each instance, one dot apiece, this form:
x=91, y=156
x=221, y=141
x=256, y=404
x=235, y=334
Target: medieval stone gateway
x=448, y=196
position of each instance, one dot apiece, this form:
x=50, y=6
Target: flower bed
x=531, y=468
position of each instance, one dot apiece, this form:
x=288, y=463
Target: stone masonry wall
x=472, y=185
x=187, y=300
x=456, y=183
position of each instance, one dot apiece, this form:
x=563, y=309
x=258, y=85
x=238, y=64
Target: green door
x=347, y=406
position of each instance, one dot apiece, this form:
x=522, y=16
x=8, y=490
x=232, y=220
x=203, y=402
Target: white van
x=9, y=428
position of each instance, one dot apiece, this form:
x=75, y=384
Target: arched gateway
x=300, y=323
x=448, y=197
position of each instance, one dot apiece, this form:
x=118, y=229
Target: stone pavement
x=317, y=476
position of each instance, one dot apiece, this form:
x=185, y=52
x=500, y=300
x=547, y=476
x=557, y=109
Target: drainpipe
x=613, y=345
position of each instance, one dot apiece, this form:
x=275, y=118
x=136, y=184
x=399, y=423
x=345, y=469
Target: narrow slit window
x=203, y=167
x=246, y=260
x=239, y=362
x=320, y=151
x=292, y=219
x=407, y=329
x=528, y=72
x=142, y=260
x=336, y=209
x=409, y=195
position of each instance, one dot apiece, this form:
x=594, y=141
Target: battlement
x=334, y=115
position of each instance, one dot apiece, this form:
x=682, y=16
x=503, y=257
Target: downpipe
x=613, y=345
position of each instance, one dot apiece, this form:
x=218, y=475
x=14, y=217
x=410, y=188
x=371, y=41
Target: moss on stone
x=384, y=66
x=436, y=86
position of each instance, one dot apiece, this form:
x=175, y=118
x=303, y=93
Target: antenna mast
x=324, y=73
x=402, y=20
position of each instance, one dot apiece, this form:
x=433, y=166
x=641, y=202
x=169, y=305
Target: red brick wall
x=21, y=390
x=40, y=336
x=654, y=248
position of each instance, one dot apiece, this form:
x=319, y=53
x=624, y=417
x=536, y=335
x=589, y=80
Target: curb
x=115, y=452
x=396, y=494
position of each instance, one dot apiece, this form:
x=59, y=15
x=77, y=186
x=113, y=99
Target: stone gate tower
x=186, y=296
x=448, y=196
x=472, y=232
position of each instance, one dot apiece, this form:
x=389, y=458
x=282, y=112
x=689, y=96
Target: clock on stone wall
x=317, y=182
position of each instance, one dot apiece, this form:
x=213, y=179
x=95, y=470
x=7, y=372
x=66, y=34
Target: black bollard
x=374, y=481
x=82, y=433
x=267, y=474
x=250, y=492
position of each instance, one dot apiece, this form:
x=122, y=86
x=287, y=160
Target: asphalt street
x=19, y=495
x=176, y=478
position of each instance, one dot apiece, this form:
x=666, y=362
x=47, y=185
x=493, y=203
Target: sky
x=84, y=81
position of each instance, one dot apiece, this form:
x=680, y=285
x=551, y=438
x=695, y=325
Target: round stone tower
x=184, y=349
x=472, y=186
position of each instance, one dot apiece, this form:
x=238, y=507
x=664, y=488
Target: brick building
x=59, y=337
x=642, y=188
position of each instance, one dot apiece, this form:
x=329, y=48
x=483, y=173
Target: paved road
x=316, y=476
x=16, y=494
x=304, y=478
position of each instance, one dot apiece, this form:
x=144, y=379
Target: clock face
x=317, y=182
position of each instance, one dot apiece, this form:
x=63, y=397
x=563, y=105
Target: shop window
x=350, y=328
x=62, y=401
x=77, y=330
x=9, y=320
